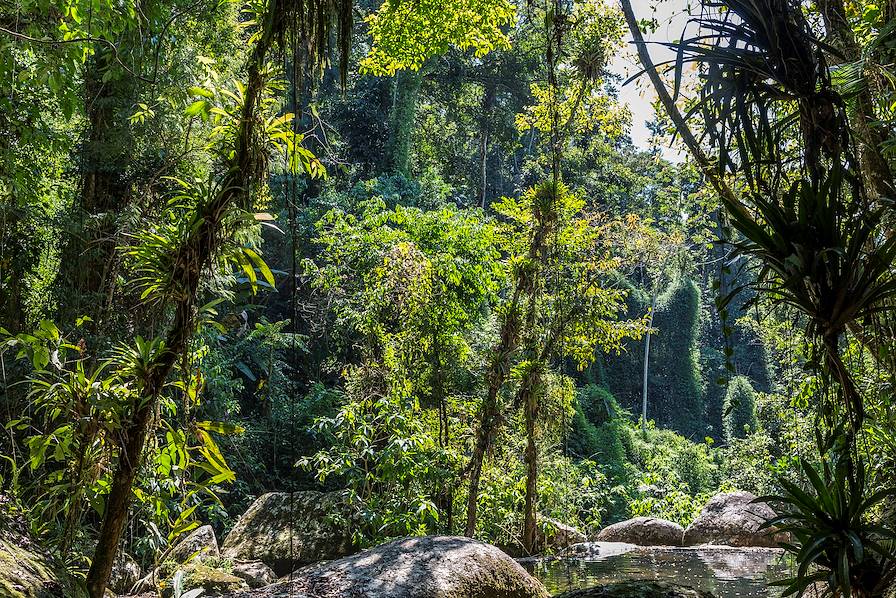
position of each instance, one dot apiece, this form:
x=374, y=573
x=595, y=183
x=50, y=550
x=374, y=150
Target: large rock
x=425, y=567
x=732, y=519
x=27, y=572
x=199, y=544
x=637, y=589
x=26, y=568
x=556, y=535
x=316, y=523
x=186, y=554
x=256, y=573
x=214, y=581
x=125, y=573
x=644, y=531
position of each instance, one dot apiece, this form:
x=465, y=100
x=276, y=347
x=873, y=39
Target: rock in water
x=317, y=523
x=637, y=589
x=732, y=519
x=425, y=567
x=644, y=531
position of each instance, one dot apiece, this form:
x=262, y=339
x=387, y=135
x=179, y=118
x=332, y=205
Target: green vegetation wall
x=749, y=357
x=621, y=373
x=740, y=408
x=675, y=383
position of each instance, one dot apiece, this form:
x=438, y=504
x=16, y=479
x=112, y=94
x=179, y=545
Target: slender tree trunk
x=404, y=113
x=489, y=415
x=194, y=256
x=647, y=360
x=107, y=163
x=875, y=168
x=488, y=104
x=529, y=399
x=530, y=527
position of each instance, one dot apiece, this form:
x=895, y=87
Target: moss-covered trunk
x=404, y=113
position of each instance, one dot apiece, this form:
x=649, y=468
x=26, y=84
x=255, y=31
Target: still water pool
x=725, y=572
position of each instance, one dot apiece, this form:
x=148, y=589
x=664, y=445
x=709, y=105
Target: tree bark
x=530, y=535
x=647, y=359
x=404, y=113
x=194, y=256
x=875, y=168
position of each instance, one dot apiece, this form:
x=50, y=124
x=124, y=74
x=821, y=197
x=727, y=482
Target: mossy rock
x=286, y=531
x=27, y=572
x=214, y=581
x=214, y=578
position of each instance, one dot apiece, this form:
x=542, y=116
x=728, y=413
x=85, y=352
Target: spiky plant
x=837, y=549
x=771, y=111
x=821, y=256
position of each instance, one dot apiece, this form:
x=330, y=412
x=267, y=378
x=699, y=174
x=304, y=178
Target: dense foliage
x=410, y=253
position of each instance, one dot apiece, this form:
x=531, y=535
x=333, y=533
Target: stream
x=725, y=572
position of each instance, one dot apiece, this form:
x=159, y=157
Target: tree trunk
x=647, y=360
x=194, y=255
x=488, y=104
x=107, y=159
x=875, y=168
x=530, y=398
x=489, y=415
x=404, y=112
x=488, y=420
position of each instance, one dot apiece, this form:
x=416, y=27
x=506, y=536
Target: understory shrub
x=740, y=408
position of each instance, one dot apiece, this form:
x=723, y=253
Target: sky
x=672, y=18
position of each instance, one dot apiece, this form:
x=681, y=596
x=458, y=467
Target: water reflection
x=725, y=572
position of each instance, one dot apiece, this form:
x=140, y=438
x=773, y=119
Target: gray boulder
x=186, y=554
x=256, y=573
x=125, y=573
x=424, y=567
x=200, y=544
x=644, y=531
x=733, y=520
x=637, y=589
x=555, y=535
x=316, y=524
